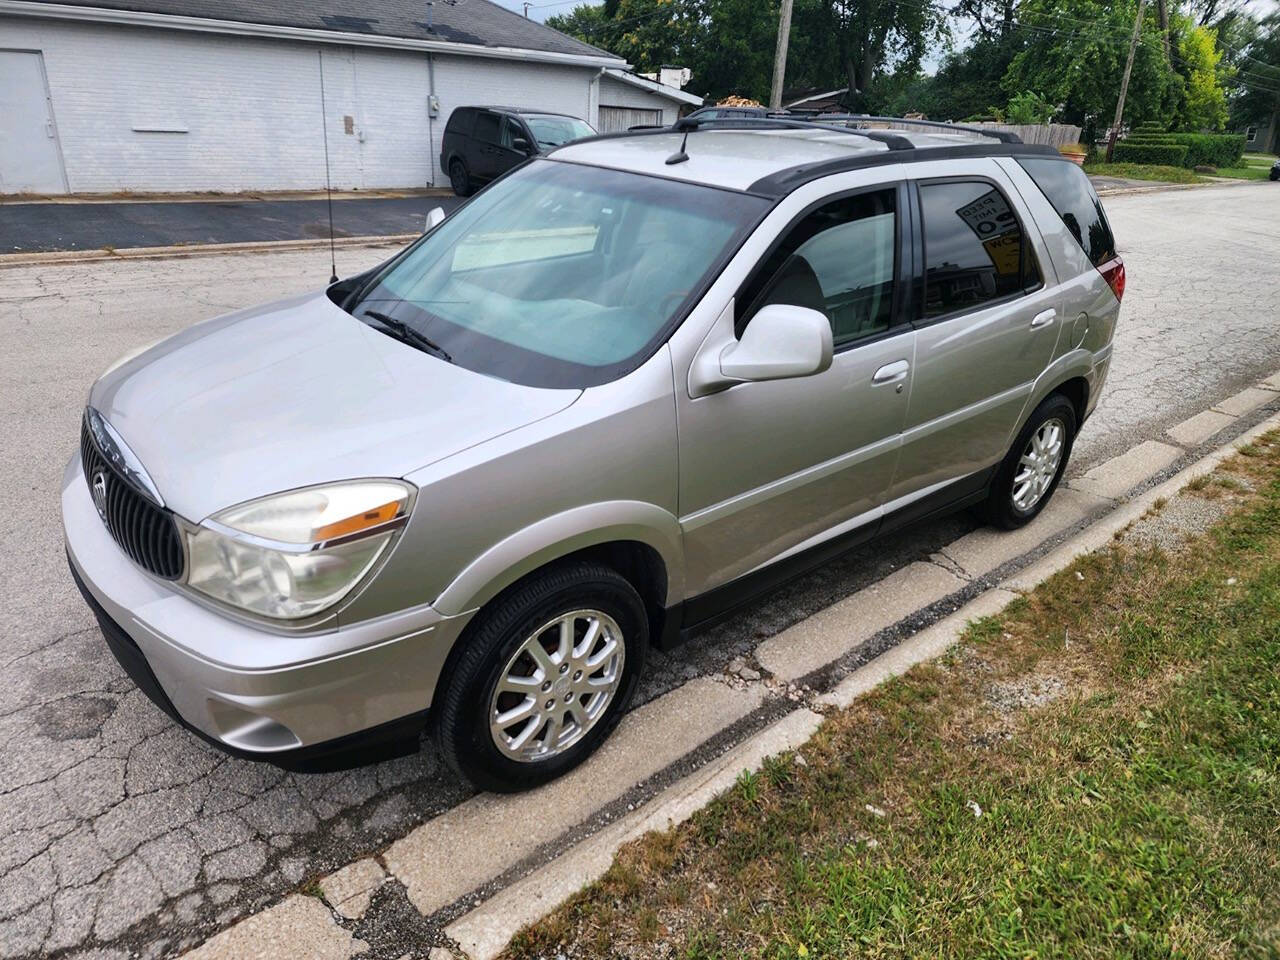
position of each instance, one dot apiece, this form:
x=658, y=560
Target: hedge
x=1212, y=149
x=1170, y=155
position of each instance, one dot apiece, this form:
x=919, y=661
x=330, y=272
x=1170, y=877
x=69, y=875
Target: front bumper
x=292, y=698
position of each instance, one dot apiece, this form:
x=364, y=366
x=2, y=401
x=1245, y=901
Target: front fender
x=560, y=535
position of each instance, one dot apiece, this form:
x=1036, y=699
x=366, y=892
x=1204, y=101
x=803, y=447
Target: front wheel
x=543, y=679
x=1034, y=465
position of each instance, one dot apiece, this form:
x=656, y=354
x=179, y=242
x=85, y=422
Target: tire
x=459, y=179
x=1004, y=507
x=495, y=649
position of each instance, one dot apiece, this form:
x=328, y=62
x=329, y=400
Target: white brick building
x=193, y=95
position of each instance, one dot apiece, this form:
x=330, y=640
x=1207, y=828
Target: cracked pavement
x=124, y=835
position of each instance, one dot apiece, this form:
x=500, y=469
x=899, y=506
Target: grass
x=1257, y=166
x=1144, y=171
x=1093, y=773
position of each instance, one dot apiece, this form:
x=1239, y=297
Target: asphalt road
x=120, y=831
x=32, y=227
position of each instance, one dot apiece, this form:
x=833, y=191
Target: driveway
x=118, y=830
x=32, y=227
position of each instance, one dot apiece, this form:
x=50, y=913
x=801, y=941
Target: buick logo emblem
x=99, y=487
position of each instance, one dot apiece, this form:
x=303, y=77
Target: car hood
x=295, y=393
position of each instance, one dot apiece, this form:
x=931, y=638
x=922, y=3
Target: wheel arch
x=639, y=540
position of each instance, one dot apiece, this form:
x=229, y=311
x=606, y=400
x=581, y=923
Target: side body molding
x=564, y=533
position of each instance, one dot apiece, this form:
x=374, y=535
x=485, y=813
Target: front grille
x=144, y=531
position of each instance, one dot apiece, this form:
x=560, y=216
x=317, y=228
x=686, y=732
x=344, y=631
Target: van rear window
x=1066, y=187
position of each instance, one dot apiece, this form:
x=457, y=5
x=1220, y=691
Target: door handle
x=891, y=372
x=1044, y=319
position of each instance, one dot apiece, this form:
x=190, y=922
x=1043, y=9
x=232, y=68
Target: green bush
x=1211, y=149
x=1170, y=155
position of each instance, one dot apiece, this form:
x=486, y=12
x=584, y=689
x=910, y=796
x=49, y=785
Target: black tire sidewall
x=459, y=179
x=463, y=723
x=1000, y=508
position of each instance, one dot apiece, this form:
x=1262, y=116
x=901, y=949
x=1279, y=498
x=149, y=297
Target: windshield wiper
x=408, y=334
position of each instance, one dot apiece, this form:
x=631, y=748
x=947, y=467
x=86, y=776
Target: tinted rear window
x=1066, y=187
x=487, y=127
x=459, y=121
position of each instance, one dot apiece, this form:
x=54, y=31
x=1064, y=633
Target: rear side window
x=487, y=127
x=839, y=260
x=1069, y=190
x=459, y=121
x=974, y=247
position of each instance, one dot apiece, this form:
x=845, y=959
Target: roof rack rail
x=892, y=140
x=1003, y=136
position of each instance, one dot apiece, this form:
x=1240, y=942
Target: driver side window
x=510, y=133
x=840, y=260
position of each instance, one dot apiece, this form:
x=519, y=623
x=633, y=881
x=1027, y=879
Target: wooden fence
x=1053, y=134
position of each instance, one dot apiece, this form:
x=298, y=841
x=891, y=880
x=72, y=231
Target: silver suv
x=620, y=391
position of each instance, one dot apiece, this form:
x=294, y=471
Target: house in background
x=195, y=95
x=630, y=100
x=1262, y=136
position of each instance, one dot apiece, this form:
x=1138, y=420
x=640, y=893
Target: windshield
x=551, y=130
x=560, y=274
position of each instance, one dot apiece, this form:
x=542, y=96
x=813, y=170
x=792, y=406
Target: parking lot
x=121, y=831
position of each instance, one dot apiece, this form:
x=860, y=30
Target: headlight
x=294, y=554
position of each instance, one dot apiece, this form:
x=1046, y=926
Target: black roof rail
x=892, y=140
x=1003, y=136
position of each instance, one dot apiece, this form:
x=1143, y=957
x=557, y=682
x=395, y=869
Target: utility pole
x=1124, y=84
x=526, y=10
x=780, y=57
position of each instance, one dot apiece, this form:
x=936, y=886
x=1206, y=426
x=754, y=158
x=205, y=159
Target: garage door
x=623, y=118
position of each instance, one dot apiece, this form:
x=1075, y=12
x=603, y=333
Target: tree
x=1257, y=98
x=1204, y=104
x=1028, y=108
x=876, y=37
x=1074, y=54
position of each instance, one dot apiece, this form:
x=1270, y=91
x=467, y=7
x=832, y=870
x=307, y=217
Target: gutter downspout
x=593, y=99
x=431, y=114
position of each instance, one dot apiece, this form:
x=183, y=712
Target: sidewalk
x=43, y=226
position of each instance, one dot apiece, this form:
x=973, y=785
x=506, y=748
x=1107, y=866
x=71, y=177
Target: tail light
x=1113, y=272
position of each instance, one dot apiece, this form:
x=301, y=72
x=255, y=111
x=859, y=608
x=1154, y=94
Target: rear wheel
x=459, y=179
x=544, y=677
x=1034, y=465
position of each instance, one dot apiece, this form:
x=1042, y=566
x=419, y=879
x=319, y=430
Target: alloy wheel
x=1039, y=464
x=557, y=685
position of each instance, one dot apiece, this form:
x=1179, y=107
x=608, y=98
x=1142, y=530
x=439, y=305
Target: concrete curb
x=57, y=257
x=1166, y=187
x=247, y=196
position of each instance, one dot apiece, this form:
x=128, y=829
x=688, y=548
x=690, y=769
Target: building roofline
x=814, y=96
x=652, y=86
x=137, y=18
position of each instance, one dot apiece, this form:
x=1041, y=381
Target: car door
x=513, y=146
x=768, y=469
x=987, y=327
x=486, y=147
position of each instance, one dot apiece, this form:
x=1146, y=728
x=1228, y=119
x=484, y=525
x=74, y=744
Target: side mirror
x=521, y=145
x=435, y=217
x=780, y=342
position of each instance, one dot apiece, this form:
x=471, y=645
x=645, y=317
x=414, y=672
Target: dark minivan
x=482, y=143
